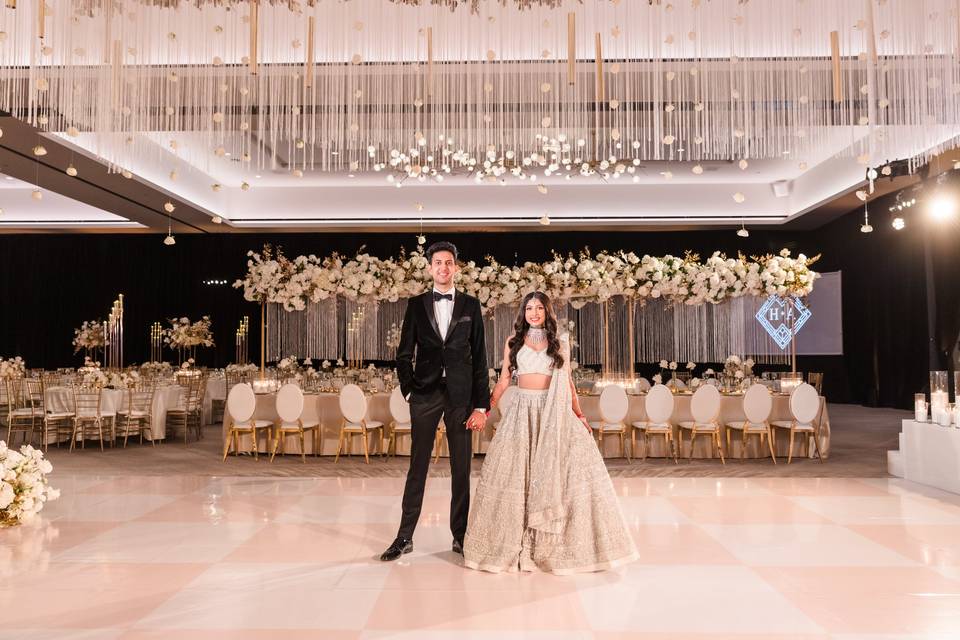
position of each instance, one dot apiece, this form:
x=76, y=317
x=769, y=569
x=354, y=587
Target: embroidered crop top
x=532, y=361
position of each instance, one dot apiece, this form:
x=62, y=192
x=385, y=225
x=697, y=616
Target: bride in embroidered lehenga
x=544, y=499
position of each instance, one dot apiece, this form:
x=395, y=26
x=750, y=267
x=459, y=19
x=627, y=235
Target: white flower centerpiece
x=186, y=336
x=156, y=369
x=12, y=368
x=393, y=338
x=91, y=375
x=90, y=337
x=24, y=489
x=737, y=370
x=242, y=369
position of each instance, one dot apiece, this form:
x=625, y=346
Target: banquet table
x=325, y=409
x=60, y=399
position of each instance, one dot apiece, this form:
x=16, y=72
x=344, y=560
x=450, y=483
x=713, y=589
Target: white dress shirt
x=443, y=310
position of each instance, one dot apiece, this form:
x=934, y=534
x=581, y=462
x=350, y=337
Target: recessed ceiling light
x=227, y=154
x=257, y=176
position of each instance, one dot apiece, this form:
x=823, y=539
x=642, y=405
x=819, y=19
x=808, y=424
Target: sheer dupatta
x=545, y=501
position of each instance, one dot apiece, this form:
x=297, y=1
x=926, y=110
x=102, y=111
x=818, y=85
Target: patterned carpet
x=861, y=438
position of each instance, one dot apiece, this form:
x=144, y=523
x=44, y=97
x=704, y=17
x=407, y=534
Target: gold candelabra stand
x=156, y=342
x=113, y=335
x=242, y=353
x=355, y=333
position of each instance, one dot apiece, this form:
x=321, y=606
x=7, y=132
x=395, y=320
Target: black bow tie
x=442, y=296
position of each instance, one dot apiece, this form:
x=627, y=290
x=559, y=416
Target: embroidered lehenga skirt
x=545, y=500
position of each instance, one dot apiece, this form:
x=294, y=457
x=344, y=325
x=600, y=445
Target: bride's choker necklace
x=537, y=335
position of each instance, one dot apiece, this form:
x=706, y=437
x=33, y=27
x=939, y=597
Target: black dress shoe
x=458, y=546
x=399, y=547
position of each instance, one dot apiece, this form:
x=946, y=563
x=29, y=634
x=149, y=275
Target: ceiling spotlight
x=544, y=220
x=39, y=150
x=742, y=231
x=217, y=220
x=168, y=207
x=71, y=170
x=169, y=240
x=37, y=194
x=866, y=228
x=942, y=207
x=898, y=224
x=126, y=174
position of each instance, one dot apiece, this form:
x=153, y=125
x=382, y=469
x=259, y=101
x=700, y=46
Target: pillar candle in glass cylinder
x=920, y=407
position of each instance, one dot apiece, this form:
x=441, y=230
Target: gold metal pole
x=253, y=36
x=263, y=333
x=630, y=336
x=308, y=72
x=601, y=90
x=430, y=61
x=835, y=59
x=571, y=48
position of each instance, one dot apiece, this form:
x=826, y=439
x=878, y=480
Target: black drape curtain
x=50, y=284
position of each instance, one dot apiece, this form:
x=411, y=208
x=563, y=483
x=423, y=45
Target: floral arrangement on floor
x=272, y=277
x=12, y=368
x=182, y=334
x=89, y=336
x=738, y=368
x=23, y=484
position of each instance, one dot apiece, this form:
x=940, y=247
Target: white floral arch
x=273, y=278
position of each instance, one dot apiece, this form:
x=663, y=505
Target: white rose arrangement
x=242, y=369
x=23, y=484
x=89, y=336
x=156, y=369
x=272, y=277
x=182, y=334
x=12, y=368
x=91, y=375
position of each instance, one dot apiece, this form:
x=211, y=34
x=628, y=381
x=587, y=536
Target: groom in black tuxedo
x=443, y=333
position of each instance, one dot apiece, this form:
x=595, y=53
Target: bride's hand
x=586, y=424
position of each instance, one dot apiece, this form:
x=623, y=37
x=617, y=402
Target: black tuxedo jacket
x=423, y=354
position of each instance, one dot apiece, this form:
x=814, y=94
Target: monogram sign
x=778, y=315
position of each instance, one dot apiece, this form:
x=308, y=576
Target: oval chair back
x=757, y=404
x=353, y=404
x=289, y=403
x=399, y=407
x=659, y=404
x=241, y=403
x=705, y=404
x=804, y=404
x=613, y=404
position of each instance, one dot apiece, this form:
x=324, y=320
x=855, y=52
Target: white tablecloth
x=60, y=399
x=325, y=408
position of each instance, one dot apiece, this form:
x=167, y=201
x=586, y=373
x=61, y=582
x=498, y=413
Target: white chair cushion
x=700, y=426
x=639, y=425
x=133, y=414
x=23, y=412
x=750, y=426
x=293, y=426
x=659, y=427
x=402, y=426
x=371, y=424
x=606, y=426
x=786, y=424
x=60, y=414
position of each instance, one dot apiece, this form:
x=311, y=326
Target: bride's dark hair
x=521, y=325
